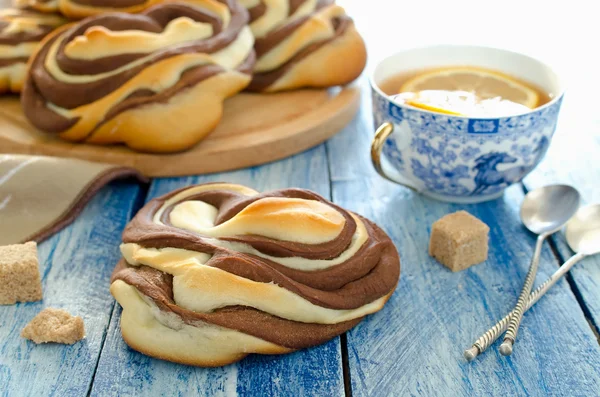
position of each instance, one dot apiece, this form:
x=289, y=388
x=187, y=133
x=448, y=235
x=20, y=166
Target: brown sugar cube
x=19, y=274
x=54, y=325
x=459, y=240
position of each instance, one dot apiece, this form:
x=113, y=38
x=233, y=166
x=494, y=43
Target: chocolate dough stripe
x=156, y=236
x=37, y=112
x=329, y=279
x=69, y=96
x=257, y=11
x=294, y=5
x=141, y=230
x=362, y=279
x=24, y=37
x=231, y=205
x=265, y=44
x=374, y=274
x=188, y=79
x=359, y=280
x=11, y=61
x=295, y=335
x=110, y=3
x=273, y=38
x=261, y=81
x=14, y=38
x=151, y=22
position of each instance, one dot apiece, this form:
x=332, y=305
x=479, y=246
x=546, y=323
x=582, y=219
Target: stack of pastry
x=213, y=272
x=153, y=74
x=154, y=81
x=21, y=30
x=303, y=43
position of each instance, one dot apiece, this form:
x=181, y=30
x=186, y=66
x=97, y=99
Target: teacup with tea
x=462, y=123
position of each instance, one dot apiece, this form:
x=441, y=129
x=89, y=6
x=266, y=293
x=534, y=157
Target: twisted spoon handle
x=517, y=313
x=493, y=333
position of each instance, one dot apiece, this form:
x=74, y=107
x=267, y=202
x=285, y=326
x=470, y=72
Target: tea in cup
x=462, y=123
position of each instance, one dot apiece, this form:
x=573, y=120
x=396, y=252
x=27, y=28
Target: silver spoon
x=544, y=211
x=583, y=236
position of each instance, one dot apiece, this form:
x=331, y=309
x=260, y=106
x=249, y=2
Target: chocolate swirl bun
x=154, y=81
x=214, y=272
x=303, y=43
x=20, y=34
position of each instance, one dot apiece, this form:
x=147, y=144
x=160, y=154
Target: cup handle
x=382, y=133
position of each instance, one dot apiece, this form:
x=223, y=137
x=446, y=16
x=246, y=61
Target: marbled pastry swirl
x=214, y=272
x=78, y=9
x=303, y=43
x=20, y=34
x=154, y=81
x=45, y=6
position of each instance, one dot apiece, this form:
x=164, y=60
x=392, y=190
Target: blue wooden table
x=414, y=345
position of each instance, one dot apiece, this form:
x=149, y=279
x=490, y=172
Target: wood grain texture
x=414, y=345
x=574, y=158
x=255, y=129
x=75, y=265
x=311, y=372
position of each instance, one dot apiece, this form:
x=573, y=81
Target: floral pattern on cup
x=464, y=157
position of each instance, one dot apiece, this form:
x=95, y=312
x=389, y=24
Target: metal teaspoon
x=544, y=211
x=583, y=237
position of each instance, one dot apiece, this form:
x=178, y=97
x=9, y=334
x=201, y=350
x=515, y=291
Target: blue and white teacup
x=456, y=158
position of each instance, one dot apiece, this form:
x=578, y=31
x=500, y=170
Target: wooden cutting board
x=255, y=129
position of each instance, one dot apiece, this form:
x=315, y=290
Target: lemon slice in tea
x=460, y=103
x=483, y=83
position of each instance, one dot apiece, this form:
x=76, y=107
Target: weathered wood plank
x=414, y=345
x=75, y=265
x=314, y=371
x=574, y=158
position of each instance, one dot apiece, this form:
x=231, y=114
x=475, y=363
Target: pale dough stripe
x=12, y=76
x=228, y=187
x=17, y=51
x=26, y=21
x=305, y=9
x=107, y=43
x=157, y=77
x=204, y=288
x=151, y=331
x=276, y=12
x=21, y=24
x=291, y=219
x=249, y=3
x=360, y=236
x=48, y=6
x=78, y=11
x=319, y=27
x=229, y=58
